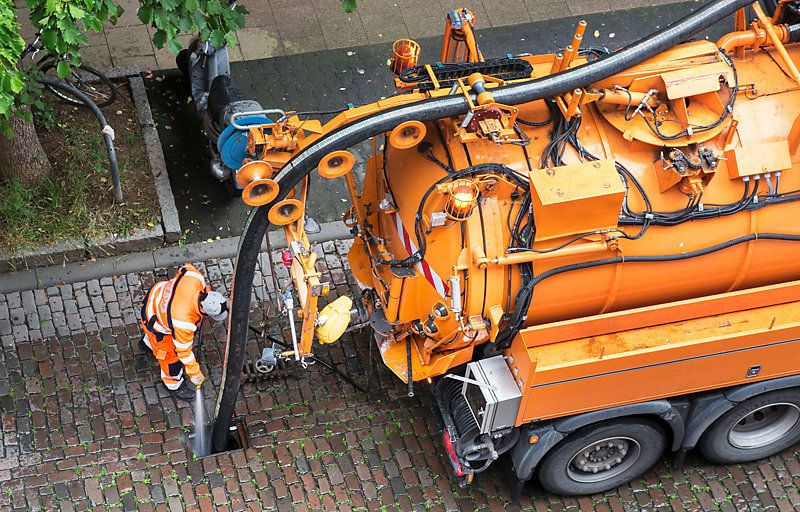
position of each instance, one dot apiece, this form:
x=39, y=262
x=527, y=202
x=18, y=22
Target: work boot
x=185, y=393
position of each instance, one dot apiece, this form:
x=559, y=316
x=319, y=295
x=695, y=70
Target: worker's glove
x=197, y=380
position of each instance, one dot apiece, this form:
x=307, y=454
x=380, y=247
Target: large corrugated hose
x=426, y=110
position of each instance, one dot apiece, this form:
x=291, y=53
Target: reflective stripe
x=165, y=376
x=173, y=386
x=155, y=295
x=181, y=346
x=196, y=275
x=188, y=359
x=160, y=328
x=189, y=326
x=146, y=342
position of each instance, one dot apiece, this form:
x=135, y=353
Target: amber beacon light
x=463, y=199
x=405, y=54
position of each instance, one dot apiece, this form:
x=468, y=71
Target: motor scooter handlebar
x=239, y=115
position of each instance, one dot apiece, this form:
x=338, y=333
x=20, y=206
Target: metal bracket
x=470, y=381
x=239, y=115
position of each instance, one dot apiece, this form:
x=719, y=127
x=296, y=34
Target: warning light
x=463, y=199
x=533, y=439
x=405, y=54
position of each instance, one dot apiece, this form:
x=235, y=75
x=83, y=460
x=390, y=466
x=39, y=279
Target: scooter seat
x=232, y=143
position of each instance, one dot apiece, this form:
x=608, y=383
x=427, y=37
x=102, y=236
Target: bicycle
x=91, y=82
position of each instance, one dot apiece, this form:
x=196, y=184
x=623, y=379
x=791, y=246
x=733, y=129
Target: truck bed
x=570, y=376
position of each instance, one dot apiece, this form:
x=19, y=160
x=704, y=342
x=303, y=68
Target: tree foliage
x=63, y=25
x=12, y=80
x=214, y=20
x=349, y=6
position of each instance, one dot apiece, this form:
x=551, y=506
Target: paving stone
x=28, y=301
x=107, y=435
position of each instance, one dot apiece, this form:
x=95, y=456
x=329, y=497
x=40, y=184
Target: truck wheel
x=602, y=456
x=756, y=428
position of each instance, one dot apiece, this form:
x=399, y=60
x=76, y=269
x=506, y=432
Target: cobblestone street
x=86, y=424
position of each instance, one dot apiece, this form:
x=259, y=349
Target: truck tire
x=759, y=427
x=602, y=456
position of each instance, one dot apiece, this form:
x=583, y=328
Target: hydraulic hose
x=426, y=110
x=112, y=152
x=665, y=257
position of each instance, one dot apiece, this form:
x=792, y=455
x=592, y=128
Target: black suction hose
x=426, y=110
x=112, y=153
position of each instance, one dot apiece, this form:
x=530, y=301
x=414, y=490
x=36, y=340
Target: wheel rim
x=95, y=93
x=603, y=459
x=764, y=426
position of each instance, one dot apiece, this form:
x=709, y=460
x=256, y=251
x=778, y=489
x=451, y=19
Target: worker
x=172, y=312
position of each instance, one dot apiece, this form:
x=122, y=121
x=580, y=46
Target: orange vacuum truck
x=589, y=257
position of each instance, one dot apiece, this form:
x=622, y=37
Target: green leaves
x=62, y=69
x=145, y=14
x=63, y=25
x=349, y=6
x=214, y=20
x=12, y=80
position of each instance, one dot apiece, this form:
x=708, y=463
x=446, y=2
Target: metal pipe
x=409, y=373
x=622, y=97
x=776, y=42
x=107, y=135
x=427, y=110
x=529, y=256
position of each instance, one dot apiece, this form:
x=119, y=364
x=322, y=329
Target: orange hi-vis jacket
x=172, y=313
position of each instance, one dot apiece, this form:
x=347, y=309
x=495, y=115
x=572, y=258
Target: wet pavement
x=86, y=424
x=332, y=79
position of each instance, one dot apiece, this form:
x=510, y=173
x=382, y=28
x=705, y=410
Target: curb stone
x=67, y=273
x=166, y=201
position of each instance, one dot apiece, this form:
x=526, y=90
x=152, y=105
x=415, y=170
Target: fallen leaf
x=596, y=33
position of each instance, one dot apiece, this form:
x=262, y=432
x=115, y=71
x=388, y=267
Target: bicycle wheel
x=86, y=79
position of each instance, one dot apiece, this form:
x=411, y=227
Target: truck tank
x=524, y=190
x=677, y=155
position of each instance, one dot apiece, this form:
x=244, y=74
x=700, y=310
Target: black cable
x=305, y=161
x=331, y=367
x=419, y=254
x=686, y=132
x=535, y=123
x=669, y=257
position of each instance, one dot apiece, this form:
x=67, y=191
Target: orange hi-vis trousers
x=164, y=351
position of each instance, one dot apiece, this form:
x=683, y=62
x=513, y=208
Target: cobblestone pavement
x=86, y=424
x=288, y=27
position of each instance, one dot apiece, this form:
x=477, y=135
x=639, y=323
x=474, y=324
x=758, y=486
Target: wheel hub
x=603, y=459
x=764, y=426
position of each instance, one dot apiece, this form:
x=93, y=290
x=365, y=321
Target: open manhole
x=238, y=439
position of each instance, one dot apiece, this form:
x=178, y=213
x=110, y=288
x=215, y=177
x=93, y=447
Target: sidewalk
x=85, y=424
x=288, y=27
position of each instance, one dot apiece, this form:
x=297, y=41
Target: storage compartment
x=574, y=199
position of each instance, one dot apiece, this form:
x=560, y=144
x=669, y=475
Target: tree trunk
x=22, y=158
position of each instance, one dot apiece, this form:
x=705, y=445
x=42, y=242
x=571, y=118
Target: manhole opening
x=238, y=439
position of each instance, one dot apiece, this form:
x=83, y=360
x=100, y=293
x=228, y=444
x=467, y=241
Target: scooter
x=224, y=111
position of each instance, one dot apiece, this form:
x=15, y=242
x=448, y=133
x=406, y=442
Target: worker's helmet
x=214, y=305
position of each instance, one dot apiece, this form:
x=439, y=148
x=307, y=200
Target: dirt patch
x=77, y=201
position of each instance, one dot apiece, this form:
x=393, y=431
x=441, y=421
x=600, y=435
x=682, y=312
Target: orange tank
x=722, y=171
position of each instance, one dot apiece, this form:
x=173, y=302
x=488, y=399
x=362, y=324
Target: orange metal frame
x=660, y=351
x=591, y=357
